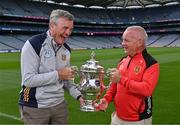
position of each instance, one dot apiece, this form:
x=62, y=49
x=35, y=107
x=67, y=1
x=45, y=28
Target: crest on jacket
x=47, y=53
x=63, y=56
x=137, y=69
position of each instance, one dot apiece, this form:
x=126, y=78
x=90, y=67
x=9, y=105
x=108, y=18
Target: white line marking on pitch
x=10, y=116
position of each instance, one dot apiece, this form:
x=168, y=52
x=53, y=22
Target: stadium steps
x=8, y=45
x=74, y=45
x=93, y=42
x=116, y=41
x=19, y=39
x=40, y=7
x=172, y=41
x=84, y=42
x=26, y=10
x=155, y=40
x=74, y=42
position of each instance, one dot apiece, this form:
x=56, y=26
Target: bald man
x=133, y=82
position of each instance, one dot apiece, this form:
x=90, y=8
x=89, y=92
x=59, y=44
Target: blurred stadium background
x=99, y=25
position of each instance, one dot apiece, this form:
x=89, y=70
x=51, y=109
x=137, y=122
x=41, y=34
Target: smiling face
x=133, y=41
x=61, y=29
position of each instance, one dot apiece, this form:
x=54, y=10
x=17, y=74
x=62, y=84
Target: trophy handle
x=102, y=86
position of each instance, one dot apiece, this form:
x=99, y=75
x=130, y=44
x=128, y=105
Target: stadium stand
x=164, y=40
x=94, y=28
x=175, y=42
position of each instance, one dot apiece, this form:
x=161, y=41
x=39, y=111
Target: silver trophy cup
x=91, y=83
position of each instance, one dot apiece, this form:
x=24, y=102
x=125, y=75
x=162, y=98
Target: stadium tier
x=41, y=9
x=94, y=28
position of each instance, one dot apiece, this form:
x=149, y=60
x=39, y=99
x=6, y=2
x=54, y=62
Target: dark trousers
x=45, y=116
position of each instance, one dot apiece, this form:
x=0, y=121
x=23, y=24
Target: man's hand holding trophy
x=114, y=77
x=66, y=73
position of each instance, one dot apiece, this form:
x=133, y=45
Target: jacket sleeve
x=30, y=62
x=111, y=92
x=148, y=84
x=72, y=88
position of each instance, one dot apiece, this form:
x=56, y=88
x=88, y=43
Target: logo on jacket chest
x=47, y=53
x=137, y=69
x=63, y=57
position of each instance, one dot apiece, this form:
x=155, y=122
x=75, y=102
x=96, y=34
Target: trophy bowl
x=91, y=83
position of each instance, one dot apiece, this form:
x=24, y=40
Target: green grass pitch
x=166, y=98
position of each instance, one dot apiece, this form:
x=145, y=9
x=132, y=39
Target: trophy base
x=88, y=106
x=87, y=109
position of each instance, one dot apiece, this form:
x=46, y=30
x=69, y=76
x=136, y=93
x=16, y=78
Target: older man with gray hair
x=46, y=72
x=133, y=82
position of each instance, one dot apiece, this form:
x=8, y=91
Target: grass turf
x=166, y=96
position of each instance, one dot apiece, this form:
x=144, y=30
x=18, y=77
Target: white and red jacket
x=133, y=94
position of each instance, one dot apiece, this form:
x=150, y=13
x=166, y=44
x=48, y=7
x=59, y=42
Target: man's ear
x=51, y=25
x=140, y=42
